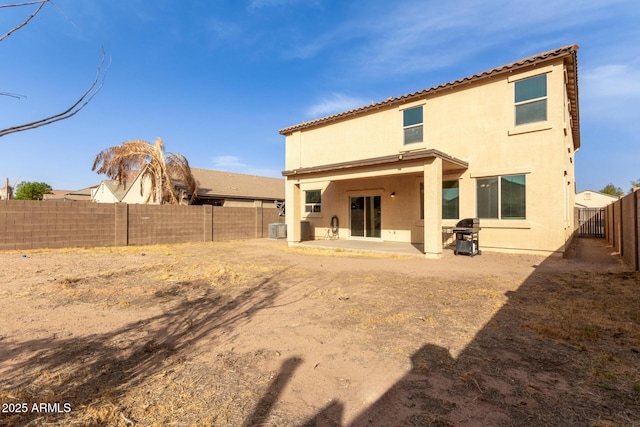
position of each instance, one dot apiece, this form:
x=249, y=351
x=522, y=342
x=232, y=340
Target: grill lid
x=468, y=224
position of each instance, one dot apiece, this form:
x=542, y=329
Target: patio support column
x=292, y=211
x=433, y=208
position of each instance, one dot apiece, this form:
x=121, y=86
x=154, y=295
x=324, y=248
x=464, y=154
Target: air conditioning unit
x=277, y=231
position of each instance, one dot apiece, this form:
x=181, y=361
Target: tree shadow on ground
x=91, y=369
x=564, y=350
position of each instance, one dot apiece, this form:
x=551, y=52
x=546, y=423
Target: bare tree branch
x=82, y=102
x=12, y=95
x=25, y=3
x=86, y=97
x=26, y=21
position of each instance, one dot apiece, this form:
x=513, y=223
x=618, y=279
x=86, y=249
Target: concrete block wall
x=150, y=224
x=48, y=224
x=623, y=228
x=270, y=216
x=26, y=224
x=629, y=215
x=230, y=223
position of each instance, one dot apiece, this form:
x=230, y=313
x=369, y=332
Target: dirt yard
x=254, y=333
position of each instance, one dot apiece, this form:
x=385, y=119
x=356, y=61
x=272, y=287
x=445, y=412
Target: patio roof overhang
x=404, y=162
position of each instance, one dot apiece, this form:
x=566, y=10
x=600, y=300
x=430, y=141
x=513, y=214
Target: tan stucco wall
x=239, y=203
x=135, y=196
x=474, y=123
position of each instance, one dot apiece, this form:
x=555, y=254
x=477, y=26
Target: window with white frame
x=501, y=197
x=313, y=201
x=531, y=100
x=412, y=125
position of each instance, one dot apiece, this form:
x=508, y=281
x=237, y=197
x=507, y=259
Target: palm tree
x=163, y=170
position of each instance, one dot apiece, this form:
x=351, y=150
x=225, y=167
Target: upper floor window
x=531, y=100
x=502, y=197
x=313, y=201
x=412, y=125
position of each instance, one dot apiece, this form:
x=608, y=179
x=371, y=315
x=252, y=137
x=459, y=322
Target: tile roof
x=212, y=184
x=61, y=195
x=565, y=51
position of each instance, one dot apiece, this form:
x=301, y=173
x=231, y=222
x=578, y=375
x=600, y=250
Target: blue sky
x=218, y=79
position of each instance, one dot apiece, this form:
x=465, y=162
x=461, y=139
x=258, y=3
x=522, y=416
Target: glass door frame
x=368, y=204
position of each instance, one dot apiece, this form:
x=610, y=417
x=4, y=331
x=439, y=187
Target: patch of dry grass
x=584, y=325
x=340, y=253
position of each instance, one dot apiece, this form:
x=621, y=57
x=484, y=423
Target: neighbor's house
x=113, y=191
x=82, y=195
x=499, y=145
x=216, y=188
x=593, y=199
x=229, y=189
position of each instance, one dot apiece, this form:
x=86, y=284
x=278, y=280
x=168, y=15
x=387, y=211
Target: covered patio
x=372, y=246
x=389, y=204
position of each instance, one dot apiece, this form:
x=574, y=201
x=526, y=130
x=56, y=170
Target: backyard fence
x=26, y=224
x=622, y=230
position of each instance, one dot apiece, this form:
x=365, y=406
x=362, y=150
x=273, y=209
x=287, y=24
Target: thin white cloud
x=227, y=162
x=418, y=37
x=236, y=165
x=270, y=173
x=336, y=103
x=611, y=80
x=609, y=93
x=259, y=4
x=223, y=30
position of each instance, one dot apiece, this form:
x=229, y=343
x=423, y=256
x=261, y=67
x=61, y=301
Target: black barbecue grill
x=466, y=231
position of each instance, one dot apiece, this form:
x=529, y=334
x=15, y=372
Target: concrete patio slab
x=395, y=248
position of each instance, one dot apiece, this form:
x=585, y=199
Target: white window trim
x=411, y=106
x=305, y=204
x=531, y=126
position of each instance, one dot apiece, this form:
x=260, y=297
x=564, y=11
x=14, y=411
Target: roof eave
x=527, y=62
x=377, y=161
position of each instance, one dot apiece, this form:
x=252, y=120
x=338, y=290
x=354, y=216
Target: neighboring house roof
x=593, y=199
x=117, y=189
x=76, y=195
x=211, y=185
x=59, y=192
x=567, y=52
x=120, y=189
x=220, y=184
x=55, y=195
x=83, y=191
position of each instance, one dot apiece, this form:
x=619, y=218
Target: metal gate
x=591, y=222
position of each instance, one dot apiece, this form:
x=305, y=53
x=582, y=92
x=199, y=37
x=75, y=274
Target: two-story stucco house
x=499, y=145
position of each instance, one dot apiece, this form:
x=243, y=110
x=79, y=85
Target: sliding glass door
x=365, y=216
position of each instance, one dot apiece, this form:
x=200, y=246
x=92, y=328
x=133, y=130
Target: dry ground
x=255, y=333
